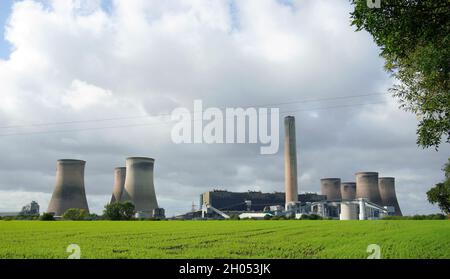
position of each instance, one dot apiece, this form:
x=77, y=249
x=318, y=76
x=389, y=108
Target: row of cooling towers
x=378, y=190
x=132, y=183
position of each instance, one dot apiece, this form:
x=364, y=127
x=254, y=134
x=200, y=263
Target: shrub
x=311, y=217
x=47, y=217
x=119, y=211
x=417, y=217
x=93, y=217
x=75, y=214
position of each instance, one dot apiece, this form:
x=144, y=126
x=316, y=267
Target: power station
x=369, y=197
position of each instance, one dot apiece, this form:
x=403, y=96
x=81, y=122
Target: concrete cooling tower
x=367, y=187
x=290, y=161
x=69, y=188
x=331, y=187
x=348, y=190
x=386, y=187
x=119, y=183
x=139, y=187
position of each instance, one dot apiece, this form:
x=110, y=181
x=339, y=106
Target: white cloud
x=82, y=96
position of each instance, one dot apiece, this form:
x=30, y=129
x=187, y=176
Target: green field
x=225, y=239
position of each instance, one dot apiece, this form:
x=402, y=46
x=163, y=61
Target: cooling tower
x=290, y=161
x=119, y=183
x=367, y=187
x=69, y=188
x=348, y=190
x=139, y=187
x=331, y=187
x=386, y=187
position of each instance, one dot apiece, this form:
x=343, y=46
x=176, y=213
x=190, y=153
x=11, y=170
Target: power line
x=169, y=114
x=152, y=124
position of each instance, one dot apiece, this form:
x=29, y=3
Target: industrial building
x=251, y=200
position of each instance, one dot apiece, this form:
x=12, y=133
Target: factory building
x=251, y=200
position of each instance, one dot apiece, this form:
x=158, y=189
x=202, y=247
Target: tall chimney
x=119, y=183
x=139, y=188
x=290, y=161
x=69, y=189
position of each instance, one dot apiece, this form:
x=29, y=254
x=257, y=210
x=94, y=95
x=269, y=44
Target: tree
x=119, y=211
x=47, y=217
x=75, y=214
x=440, y=193
x=414, y=37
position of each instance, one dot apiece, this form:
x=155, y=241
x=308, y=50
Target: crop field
x=291, y=239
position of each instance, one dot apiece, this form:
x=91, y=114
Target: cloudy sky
x=97, y=80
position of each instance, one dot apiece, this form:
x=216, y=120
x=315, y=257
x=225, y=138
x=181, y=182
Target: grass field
x=225, y=239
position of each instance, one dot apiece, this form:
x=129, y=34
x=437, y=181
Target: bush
x=418, y=217
x=311, y=217
x=47, y=217
x=25, y=217
x=93, y=217
x=75, y=214
x=119, y=211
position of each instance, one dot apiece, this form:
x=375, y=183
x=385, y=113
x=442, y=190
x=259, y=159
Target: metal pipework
x=69, y=189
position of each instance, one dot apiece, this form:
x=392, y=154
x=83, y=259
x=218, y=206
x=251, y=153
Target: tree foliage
x=414, y=37
x=75, y=214
x=440, y=193
x=119, y=211
x=47, y=217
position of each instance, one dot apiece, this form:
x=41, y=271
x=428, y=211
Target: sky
x=96, y=80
